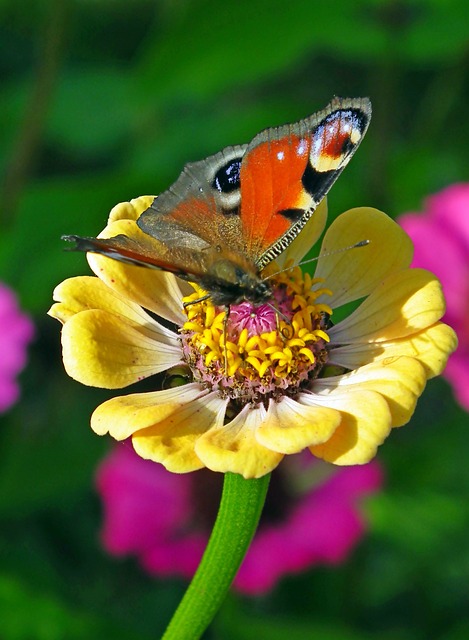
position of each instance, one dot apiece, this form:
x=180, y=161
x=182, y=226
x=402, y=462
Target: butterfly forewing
x=288, y=170
x=149, y=253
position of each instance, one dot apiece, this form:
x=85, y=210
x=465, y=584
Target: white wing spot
x=301, y=147
x=280, y=155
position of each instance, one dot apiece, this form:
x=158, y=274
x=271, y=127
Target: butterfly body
x=228, y=216
x=230, y=282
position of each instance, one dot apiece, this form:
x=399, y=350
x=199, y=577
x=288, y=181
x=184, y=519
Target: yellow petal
x=405, y=303
x=172, y=441
x=399, y=380
x=365, y=424
x=306, y=239
x=155, y=290
x=87, y=292
x=130, y=210
x=122, y=416
x=233, y=447
x=100, y=350
x=289, y=426
x=431, y=347
x=355, y=273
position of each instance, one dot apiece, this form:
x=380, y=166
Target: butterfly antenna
x=357, y=245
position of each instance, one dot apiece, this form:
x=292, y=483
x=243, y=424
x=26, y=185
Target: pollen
x=252, y=353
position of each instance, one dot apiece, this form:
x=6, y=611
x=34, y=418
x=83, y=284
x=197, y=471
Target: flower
x=441, y=239
x=165, y=519
x=16, y=331
x=260, y=386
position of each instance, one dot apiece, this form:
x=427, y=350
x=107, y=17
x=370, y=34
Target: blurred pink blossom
x=165, y=519
x=16, y=331
x=441, y=239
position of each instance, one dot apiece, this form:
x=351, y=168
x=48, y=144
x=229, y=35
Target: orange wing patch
x=271, y=177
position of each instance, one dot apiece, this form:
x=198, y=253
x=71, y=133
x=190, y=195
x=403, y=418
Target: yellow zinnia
x=261, y=383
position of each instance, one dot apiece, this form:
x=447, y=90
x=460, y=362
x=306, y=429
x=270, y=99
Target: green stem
x=238, y=516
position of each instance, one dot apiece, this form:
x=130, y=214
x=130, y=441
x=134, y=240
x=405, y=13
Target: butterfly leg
x=279, y=329
x=188, y=304
x=278, y=316
x=225, y=337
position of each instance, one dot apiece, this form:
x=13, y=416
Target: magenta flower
x=441, y=240
x=16, y=331
x=165, y=519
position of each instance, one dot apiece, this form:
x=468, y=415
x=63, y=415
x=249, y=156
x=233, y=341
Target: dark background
x=105, y=100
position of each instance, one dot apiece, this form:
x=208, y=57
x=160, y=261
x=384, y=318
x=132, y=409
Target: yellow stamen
x=289, y=349
x=309, y=354
x=193, y=326
x=256, y=363
x=211, y=357
x=243, y=338
x=263, y=368
x=296, y=342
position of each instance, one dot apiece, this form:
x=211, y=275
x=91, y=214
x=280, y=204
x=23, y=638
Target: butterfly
x=228, y=216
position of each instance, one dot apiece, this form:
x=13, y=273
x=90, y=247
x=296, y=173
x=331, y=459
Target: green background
x=105, y=100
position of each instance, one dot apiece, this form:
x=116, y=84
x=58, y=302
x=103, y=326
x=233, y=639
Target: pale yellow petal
x=87, y=292
x=355, y=273
x=155, y=290
x=122, y=416
x=290, y=427
x=172, y=441
x=233, y=447
x=307, y=237
x=130, y=210
x=399, y=380
x=365, y=424
x=100, y=350
x=405, y=303
x=431, y=347
x=83, y=293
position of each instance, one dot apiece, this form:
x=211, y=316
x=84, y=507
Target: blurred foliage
x=104, y=100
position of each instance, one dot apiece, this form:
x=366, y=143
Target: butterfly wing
x=287, y=171
x=202, y=207
x=147, y=252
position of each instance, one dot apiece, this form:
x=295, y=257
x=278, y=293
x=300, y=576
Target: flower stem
x=240, y=509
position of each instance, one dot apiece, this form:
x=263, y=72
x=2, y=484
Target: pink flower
x=311, y=516
x=16, y=331
x=441, y=239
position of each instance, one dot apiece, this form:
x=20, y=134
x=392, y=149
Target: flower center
x=252, y=353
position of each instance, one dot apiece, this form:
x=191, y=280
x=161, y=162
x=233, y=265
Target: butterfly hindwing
x=202, y=204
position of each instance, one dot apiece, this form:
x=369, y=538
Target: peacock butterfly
x=226, y=217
